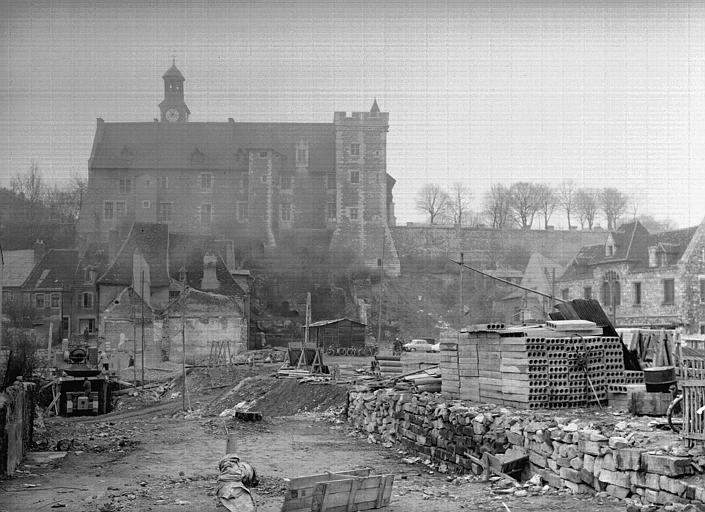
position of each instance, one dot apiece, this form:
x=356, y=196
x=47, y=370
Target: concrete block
x=628, y=459
x=669, y=465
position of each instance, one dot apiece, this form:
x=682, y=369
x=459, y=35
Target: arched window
x=611, y=289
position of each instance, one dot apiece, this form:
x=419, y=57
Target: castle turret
x=361, y=189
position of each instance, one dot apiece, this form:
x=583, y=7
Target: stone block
x=617, y=478
x=672, y=485
x=652, y=481
x=576, y=463
x=608, y=462
x=553, y=479
x=618, y=442
x=578, y=488
x=628, y=459
x=650, y=496
x=587, y=476
x=570, y=474
x=588, y=462
x=563, y=462
x=537, y=459
x=552, y=464
x=597, y=466
x=666, y=498
x=591, y=447
x=617, y=491
x=515, y=438
x=669, y=465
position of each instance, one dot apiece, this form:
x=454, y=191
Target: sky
x=604, y=93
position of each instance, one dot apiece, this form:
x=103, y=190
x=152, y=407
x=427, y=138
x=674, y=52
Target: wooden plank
x=337, y=495
x=309, y=480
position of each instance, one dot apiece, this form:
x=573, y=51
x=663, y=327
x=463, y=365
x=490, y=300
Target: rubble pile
x=583, y=458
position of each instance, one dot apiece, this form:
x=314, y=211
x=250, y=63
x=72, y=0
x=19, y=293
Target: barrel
x=659, y=379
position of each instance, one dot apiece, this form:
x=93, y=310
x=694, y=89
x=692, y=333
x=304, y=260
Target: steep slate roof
x=18, y=266
x=196, y=300
x=173, y=71
x=152, y=240
x=633, y=241
x=96, y=256
x=159, y=145
x=187, y=251
x=54, y=272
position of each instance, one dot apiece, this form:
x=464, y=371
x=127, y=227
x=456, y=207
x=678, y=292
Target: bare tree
x=586, y=205
x=459, y=203
x=64, y=202
x=547, y=202
x=496, y=205
x=433, y=200
x=566, y=197
x=613, y=203
x=30, y=186
x=523, y=203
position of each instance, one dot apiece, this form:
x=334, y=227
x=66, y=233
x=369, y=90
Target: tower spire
x=375, y=107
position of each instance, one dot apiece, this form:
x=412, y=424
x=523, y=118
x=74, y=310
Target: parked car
x=421, y=345
x=434, y=347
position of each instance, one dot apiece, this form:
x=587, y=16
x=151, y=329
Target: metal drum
x=659, y=378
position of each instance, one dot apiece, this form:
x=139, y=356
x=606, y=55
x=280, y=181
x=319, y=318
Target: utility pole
x=460, y=294
x=2, y=280
x=183, y=359
x=380, y=265
x=142, y=327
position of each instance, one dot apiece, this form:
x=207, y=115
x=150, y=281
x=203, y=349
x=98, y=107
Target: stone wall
x=572, y=454
x=16, y=424
x=482, y=246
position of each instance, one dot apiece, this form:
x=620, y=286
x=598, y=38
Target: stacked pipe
x=389, y=366
x=574, y=455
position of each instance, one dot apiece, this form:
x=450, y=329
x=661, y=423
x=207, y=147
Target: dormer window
x=609, y=250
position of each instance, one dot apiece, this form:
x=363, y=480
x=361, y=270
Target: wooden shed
x=341, y=332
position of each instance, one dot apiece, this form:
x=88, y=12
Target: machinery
x=72, y=398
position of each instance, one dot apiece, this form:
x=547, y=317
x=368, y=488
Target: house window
x=331, y=212
x=285, y=181
x=119, y=209
x=587, y=292
x=352, y=213
x=89, y=323
x=55, y=300
x=164, y=213
x=669, y=291
x=146, y=204
x=263, y=154
x=241, y=211
x=39, y=300
x=65, y=325
x=285, y=212
x=302, y=155
x=702, y=290
x=330, y=181
x=206, y=182
x=637, y=293
x=125, y=185
x=163, y=182
x=354, y=149
x=108, y=210
x=611, y=289
x=354, y=176
x=565, y=293
x=87, y=300
x=206, y=214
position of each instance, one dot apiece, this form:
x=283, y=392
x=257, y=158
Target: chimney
x=210, y=279
x=40, y=250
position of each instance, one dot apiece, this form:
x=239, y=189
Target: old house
x=519, y=305
x=275, y=188
x=206, y=319
x=643, y=279
x=16, y=267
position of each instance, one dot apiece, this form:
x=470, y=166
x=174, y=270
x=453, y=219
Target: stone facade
x=253, y=183
x=657, y=279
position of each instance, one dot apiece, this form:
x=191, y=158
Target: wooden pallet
x=345, y=491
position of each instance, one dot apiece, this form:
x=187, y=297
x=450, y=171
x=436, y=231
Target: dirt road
x=169, y=463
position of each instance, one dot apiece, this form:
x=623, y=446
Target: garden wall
x=573, y=454
x=16, y=424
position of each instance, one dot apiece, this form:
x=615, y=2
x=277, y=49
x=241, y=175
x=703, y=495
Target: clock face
x=172, y=115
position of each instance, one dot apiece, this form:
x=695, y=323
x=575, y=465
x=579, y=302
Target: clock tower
x=173, y=107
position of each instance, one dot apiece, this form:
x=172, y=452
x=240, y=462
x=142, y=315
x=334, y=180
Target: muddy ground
x=153, y=456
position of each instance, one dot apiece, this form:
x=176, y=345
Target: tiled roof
x=159, y=145
x=54, y=271
x=96, y=257
x=18, y=265
x=152, y=241
x=173, y=71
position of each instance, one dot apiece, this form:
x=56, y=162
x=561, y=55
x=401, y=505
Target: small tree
x=587, y=205
x=31, y=187
x=547, y=202
x=613, y=204
x=524, y=203
x=497, y=205
x=566, y=198
x=459, y=203
x=433, y=200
